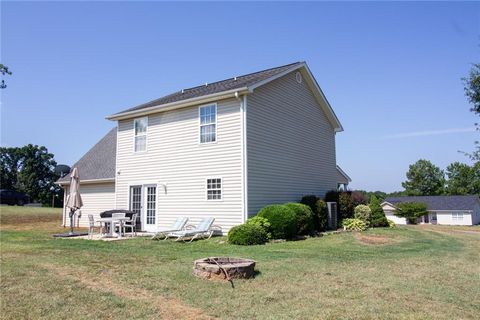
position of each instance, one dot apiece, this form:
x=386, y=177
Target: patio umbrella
x=74, y=199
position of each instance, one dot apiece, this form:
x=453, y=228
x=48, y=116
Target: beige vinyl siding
x=96, y=199
x=290, y=144
x=176, y=158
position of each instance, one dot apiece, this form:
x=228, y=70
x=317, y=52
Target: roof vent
x=298, y=77
x=206, y=84
x=183, y=91
x=235, y=79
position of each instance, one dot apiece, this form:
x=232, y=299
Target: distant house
x=223, y=149
x=448, y=210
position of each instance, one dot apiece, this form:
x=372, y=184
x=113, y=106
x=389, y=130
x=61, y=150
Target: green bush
x=282, y=220
x=354, y=224
x=321, y=213
x=411, y=211
x=346, y=206
x=247, y=235
x=304, y=217
x=363, y=213
x=391, y=224
x=378, y=216
x=262, y=222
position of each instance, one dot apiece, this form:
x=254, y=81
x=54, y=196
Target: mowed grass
x=405, y=273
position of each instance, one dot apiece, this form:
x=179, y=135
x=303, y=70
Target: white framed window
x=457, y=216
x=140, y=128
x=214, y=189
x=208, y=123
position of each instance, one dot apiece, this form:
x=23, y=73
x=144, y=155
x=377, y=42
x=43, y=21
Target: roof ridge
x=243, y=75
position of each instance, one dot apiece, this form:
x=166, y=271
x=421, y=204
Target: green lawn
x=405, y=273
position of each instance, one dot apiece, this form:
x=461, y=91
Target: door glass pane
x=151, y=204
x=136, y=202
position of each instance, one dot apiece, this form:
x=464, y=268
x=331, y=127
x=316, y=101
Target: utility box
x=332, y=215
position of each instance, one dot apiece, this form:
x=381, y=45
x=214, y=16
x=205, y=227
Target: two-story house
x=222, y=149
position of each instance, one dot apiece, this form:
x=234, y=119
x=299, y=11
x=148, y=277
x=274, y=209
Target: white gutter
x=91, y=181
x=178, y=104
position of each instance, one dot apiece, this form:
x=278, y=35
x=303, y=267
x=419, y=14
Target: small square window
x=214, y=189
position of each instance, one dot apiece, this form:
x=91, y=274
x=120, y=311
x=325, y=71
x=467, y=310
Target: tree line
x=30, y=169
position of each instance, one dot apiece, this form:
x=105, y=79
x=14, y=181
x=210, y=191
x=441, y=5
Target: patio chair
x=118, y=223
x=131, y=224
x=178, y=225
x=92, y=226
x=205, y=229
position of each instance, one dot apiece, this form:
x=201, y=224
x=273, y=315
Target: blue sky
x=391, y=71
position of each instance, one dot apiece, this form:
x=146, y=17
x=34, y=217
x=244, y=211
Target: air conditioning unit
x=332, y=215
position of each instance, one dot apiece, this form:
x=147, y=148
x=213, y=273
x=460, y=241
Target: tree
x=463, y=179
x=377, y=216
x=9, y=165
x=411, y=210
x=424, y=179
x=472, y=91
x=4, y=70
x=30, y=169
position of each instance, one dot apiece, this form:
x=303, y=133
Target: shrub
x=391, y=224
x=247, y=235
x=261, y=222
x=346, y=207
x=363, y=213
x=411, y=210
x=282, y=221
x=354, y=224
x=378, y=216
x=303, y=216
x=321, y=213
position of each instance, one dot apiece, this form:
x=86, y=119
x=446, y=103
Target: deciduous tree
x=424, y=179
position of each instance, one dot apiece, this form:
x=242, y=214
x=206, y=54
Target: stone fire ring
x=214, y=268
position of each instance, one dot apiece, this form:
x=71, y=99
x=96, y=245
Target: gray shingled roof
x=440, y=202
x=215, y=87
x=99, y=161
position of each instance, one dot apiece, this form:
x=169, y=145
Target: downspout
x=243, y=151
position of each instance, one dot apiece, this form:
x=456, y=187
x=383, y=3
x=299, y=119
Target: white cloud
x=428, y=133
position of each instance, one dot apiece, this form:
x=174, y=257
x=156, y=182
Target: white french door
x=143, y=201
x=150, y=212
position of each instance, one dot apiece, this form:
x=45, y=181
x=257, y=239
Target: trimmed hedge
x=304, y=217
x=247, y=235
x=378, y=216
x=282, y=221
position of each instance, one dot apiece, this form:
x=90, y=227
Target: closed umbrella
x=74, y=199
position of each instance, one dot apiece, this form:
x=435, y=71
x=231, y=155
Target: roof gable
x=99, y=162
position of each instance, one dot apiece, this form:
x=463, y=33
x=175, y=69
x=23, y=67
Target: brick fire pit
x=223, y=268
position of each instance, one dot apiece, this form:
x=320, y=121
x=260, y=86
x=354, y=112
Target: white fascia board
x=179, y=104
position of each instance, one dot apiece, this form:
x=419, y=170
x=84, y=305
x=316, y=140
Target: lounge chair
x=178, y=225
x=205, y=229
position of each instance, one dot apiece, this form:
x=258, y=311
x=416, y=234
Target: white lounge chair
x=178, y=225
x=205, y=229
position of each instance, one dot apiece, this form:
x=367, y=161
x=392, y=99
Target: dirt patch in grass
x=373, y=240
x=167, y=308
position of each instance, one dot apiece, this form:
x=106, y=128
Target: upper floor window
x=140, y=125
x=208, y=123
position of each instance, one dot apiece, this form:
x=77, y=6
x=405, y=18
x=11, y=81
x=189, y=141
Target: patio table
x=111, y=221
